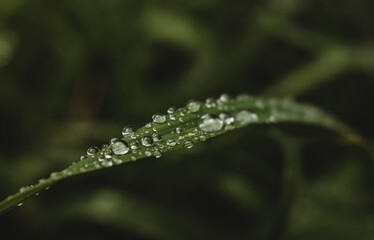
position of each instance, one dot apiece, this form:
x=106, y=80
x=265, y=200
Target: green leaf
x=184, y=127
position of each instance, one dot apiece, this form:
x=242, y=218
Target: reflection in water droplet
x=179, y=130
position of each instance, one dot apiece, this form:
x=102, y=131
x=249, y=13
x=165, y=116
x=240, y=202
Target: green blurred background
x=73, y=73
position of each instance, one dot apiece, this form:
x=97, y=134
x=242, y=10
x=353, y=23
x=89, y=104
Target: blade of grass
x=194, y=123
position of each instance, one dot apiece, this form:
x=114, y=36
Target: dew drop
x=156, y=137
x=244, y=117
x=172, y=117
x=159, y=118
x=171, y=110
x=170, y=142
x=19, y=204
x=210, y=103
x=188, y=144
x=179, y=130
x=132, y=158
x=224, y=98
x=226, y=118
x=107, y=163
x=193, y=106
x=104, y=146
x=148, y=125
x=92, y=151
x=120, y=148
x=117, y=160
x=157, y=154
x=147, y=141
x=134, y=145
x=113, y=140
x=208, y=123
x=128, y=131
x=83, y=157
x=108, y=154
x=147, y=153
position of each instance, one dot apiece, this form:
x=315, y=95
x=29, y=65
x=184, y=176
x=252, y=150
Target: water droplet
x=92, y=151
x=128, y=131
x=193, y=106
x=107, y=163
x=226, y=118
x=42, y=181
x=117, y=160
x=148, y=125
x=54, y=175
x=147, y=141
x=23, y=189
x=157, y=154
x=83, y=157
x=244, y=117
x=159, y=118
x=171, y=110
x=132, y=158
x=19, y=204
x=224, y=98
x=202, y=138
x=188, y=144
x=170, y=142
x=179, y=130
x=101, y=158
x=134, y=145
x=172, y=117
x=147, y=153
x=120, y=148
x=113, y=140
x=210, y=103
x=208, y=123
x=156, y=137
x=108, y=154
x=104, y=146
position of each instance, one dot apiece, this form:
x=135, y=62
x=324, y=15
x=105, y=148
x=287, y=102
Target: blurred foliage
x=73, y=73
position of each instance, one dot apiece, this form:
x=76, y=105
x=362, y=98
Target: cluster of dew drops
x=112, y=153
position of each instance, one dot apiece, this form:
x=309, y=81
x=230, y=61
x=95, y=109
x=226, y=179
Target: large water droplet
x=193, y=106
x=92, y=151
x=128, y=131
x=147, y=141
x=159, y=118
x=120, y=148
x=208, y=123
x=244, y=117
